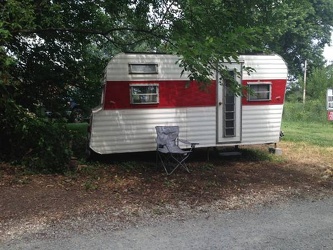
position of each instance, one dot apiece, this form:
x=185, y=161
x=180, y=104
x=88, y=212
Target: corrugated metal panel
x=117, y=68
x=201, y=126
x=261, y=124
x=266, y=67
x=134, y=130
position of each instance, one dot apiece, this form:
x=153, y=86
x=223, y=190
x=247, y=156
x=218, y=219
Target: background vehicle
x=72, y=112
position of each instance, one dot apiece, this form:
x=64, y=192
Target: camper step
x=231, y=153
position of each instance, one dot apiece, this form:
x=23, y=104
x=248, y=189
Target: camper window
x=150, y=68
x=259, y=91
x=144, y=93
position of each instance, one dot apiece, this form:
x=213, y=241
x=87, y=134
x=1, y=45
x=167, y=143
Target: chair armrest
x=193, y=144
x=184, y=141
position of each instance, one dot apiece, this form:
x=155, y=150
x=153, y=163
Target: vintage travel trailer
x=141, y=91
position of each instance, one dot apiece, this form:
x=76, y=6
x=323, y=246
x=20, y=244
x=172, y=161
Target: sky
x=328, y=51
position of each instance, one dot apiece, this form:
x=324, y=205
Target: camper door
x=229, y=107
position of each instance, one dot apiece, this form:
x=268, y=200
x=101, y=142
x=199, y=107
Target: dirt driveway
x=124, y=190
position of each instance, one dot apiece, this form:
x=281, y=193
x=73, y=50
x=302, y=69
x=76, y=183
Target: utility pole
x=304, y=88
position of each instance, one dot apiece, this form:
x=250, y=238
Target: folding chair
x=168, y=151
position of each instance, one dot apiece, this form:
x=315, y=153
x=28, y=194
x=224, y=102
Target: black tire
x=91, y=155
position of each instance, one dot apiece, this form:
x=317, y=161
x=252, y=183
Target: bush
x=38, y=144
x=79, y=139
x=312, y=111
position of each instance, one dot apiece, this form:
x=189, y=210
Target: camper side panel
x=261, y=124
x=167, y=69
x=121, y=126
x=261, y=119
x=128, y=130
x=172, y=93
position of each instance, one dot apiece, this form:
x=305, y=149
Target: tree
x=318, y=82
x=302, y=30
x=51, y=41
x=51, y=49
x=297, y=30
x=208, y=32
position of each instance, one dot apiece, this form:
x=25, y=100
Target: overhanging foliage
x=53, y=49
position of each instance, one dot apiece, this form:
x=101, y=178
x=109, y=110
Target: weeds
x=21, y=180
x=90, y=185
x=253, y=154
x=207, y=166
x=129, y=166
x=312, y=111
x=319, y=134
x=212, y=183
x=71, y=175
x=169, y=183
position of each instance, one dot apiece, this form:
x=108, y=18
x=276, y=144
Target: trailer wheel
x=91, y=155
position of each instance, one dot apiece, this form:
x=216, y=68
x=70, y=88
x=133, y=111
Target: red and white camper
x=141, y=91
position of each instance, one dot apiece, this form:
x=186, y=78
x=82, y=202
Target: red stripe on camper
x=277, y=93
x=181, y=94
x=171, y=94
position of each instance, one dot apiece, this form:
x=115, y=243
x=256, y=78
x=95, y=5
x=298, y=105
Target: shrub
x=38, y=144
x=79, y=139
x=312, y=111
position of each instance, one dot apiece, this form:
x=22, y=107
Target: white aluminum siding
x=117, y=68
x=261, y=124
x=265, y=66
x=118, y=131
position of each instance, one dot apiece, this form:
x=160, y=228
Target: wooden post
x=304, y=88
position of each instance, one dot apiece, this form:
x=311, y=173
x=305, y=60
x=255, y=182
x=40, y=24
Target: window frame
x=132, y=70
x=329, y=99
x=252, y=97
x=132, y=95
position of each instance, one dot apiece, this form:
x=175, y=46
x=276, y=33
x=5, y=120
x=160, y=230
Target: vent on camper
x=148, y=68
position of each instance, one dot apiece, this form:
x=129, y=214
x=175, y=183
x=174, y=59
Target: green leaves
x=51, y=49
x=318, y=82
x=297, y=30
x=209, y=32
x=17, y=16
x=303, y=28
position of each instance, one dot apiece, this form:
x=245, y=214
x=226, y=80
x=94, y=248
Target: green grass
x=78, y=127
x=320, y=134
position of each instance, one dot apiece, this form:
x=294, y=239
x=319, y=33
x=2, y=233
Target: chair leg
x=181, y=161
x=171, y=162
x=163, y=159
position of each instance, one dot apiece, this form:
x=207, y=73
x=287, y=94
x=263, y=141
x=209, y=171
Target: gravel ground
x=103, y=198
x=292, y=224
